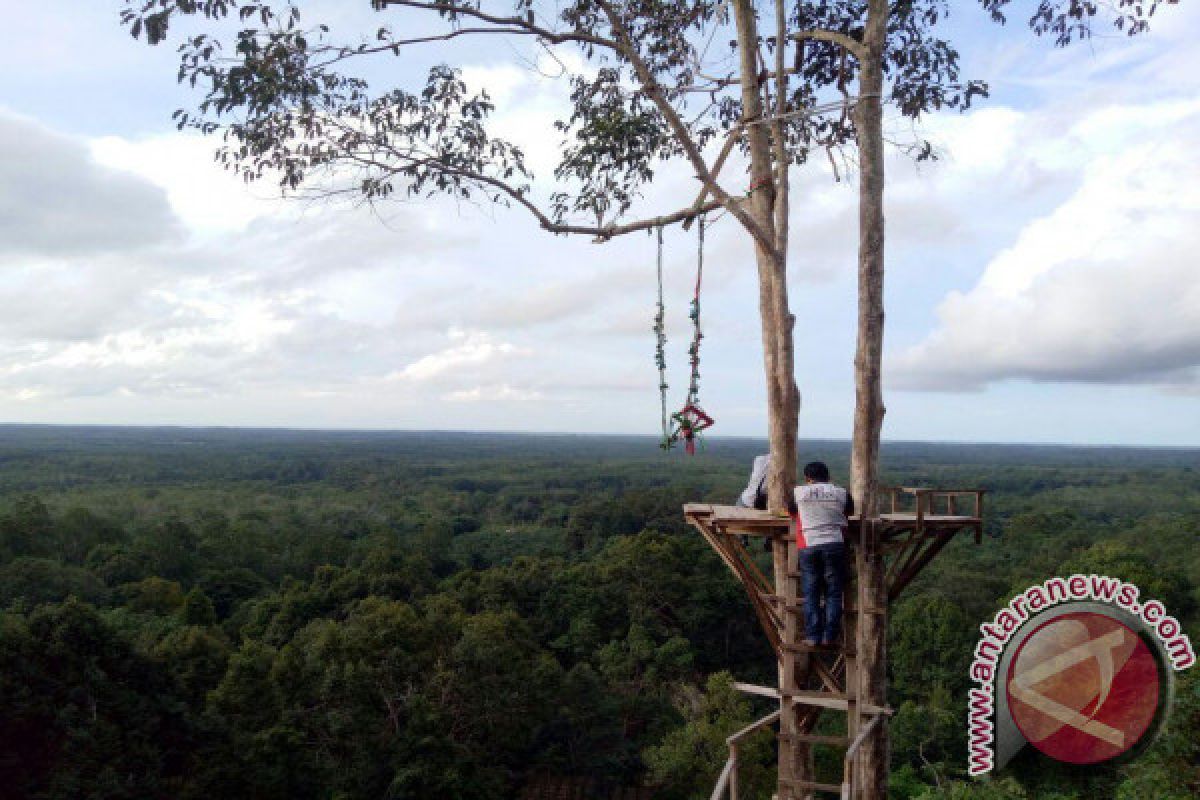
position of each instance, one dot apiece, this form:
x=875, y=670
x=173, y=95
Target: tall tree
x=290, y=101
x=889, y=47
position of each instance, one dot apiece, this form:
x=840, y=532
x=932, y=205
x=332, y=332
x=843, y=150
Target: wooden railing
x=848, y=770
x=728, y=779
x=949, y=502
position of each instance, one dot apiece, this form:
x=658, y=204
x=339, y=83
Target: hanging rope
x=689, y=421
x=660, y=349
x=693, y=395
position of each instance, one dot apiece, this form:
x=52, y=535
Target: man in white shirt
x=755, y=493
x=822, y=509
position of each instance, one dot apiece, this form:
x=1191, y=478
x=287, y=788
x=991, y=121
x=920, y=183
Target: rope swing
x=686, y=424
x=660, y=349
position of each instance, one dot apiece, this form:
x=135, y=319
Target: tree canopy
x=661, y=83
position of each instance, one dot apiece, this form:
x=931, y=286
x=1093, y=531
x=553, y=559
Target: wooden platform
x=759, y=523
x=921, y=518
x=909, y=538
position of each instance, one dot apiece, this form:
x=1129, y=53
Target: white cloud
x=1101, y=289
x=500, y=81
x=208, y=199
x=54, y=199
x=471, y=350
x=492, y=393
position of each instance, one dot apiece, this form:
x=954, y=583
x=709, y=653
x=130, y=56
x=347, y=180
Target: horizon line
x=576, y=434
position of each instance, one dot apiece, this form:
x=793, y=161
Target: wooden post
x=872, y=663
x=733, y=772
x=869, y=409
x=793, y=666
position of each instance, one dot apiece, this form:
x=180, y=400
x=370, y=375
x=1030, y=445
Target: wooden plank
x=808, y=694
x=752, y=727
x=722, y=781
x=800, y=647
x=835, y=704
x=752, y=578
x=905, y=517
x=732, y=550
x=792, y=669
x=858, y=740
x=904, y=556
x=913, y=537
x=748, y=516
x=748, y=562
x=818, y=738
x=829, y=675
x=821, y=700
x=835, y=788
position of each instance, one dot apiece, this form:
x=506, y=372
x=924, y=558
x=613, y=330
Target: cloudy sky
x=1042, y=281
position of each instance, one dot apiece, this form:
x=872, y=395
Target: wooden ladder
x=836, y=675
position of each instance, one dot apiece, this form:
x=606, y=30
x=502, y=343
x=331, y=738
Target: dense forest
x=275, y=614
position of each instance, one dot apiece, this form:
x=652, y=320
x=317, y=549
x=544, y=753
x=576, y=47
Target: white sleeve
x=757, y=474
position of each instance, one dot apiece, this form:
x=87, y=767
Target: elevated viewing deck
x=918, y=523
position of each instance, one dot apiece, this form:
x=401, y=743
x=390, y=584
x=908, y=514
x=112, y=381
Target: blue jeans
x=822, y=573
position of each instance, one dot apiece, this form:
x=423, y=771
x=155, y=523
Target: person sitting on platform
x=822, y=510
x=755, y=493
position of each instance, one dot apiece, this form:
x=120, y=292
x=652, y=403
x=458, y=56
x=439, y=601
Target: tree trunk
x=777, y=320
x=868, y=407
x=768, y=208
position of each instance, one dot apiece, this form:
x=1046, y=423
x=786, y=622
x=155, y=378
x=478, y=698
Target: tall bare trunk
x=868, y=407
x=768, y=207
x=777, y=321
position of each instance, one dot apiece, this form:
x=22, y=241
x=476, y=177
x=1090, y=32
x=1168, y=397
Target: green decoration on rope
x=686, y=424
x=660, y=348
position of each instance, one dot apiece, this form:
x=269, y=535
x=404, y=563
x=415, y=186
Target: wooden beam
x=752, y=727
x=764, y=613
x=722, y=781
x=903, y=579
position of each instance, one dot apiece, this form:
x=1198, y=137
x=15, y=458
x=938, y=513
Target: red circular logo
x=1083, y=688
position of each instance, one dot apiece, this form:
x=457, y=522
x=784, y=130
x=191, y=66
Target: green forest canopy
x=223, y=613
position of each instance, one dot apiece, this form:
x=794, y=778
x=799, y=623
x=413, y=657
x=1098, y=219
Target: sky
x=1041, y=282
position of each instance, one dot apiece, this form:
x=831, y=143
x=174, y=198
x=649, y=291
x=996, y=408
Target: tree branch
x=626, y=47
x=721, y=83
x=344, y=53
x=607, y=232
x=847, y=43
x=601, y=232
x=403, y=161
x=549, y=35
x=726, y=149
x=782, y=160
